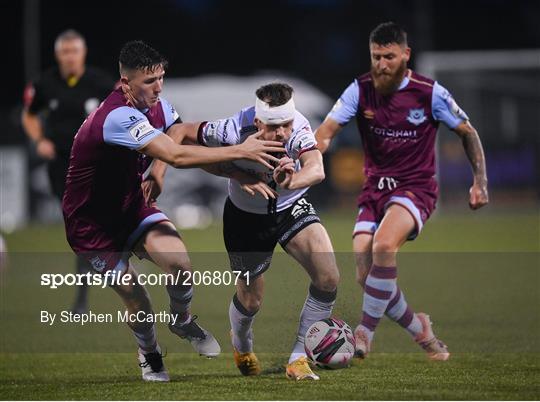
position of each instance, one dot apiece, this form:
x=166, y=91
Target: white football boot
x=202, y=341
x=152, y=366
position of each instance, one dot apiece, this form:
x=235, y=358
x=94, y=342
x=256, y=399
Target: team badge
x=416, y=116
x=98, y=264
x=141, y=129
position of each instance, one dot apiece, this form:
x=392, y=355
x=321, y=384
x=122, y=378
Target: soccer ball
x=330, y=343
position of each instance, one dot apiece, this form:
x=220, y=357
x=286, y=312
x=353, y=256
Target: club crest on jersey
x=98, y=264
x=416, y=116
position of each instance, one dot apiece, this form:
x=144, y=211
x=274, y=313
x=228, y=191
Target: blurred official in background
x=55, y=105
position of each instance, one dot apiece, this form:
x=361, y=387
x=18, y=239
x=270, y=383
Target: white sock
x=241, y=326
x=146, y=338
x=180, y=303
x=318, y=306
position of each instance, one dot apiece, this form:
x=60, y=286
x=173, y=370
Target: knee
x=251, y=302
x=327, y=281
x=137, y=299
x=384, y=246
x=178, y=268
x=173, y=262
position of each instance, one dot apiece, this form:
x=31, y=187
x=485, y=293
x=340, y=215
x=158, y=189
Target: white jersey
x=234, y=130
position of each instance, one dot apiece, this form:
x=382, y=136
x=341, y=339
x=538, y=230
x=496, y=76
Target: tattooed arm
x=475, y=153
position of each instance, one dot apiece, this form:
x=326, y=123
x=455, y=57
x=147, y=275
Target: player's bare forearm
x=184, y=133
x=188, y=156
x=473, y=150
x=475, y=153
x=306, y=177
x=223, y=169
x=158, y=169
x=325, y=133
x=249, y=183
x=312, y=171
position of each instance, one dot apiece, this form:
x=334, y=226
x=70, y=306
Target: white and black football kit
x=252, y=225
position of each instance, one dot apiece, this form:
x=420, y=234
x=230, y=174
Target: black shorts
x=250, y=239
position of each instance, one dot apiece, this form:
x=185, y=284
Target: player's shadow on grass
x=274, y=369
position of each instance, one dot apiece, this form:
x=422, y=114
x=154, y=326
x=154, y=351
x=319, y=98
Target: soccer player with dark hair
x=268, y=207
x=398, y=112
x=105, y=212
x=55, y=105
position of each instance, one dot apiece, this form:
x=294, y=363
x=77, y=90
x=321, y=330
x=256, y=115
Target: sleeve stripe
x=313, y=148
x=200, y=138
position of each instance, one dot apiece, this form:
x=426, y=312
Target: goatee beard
x=386, y=84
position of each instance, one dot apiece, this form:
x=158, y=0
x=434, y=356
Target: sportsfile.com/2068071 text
x=183, y=278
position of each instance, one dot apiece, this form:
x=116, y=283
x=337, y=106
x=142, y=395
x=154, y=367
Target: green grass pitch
x=476, y=274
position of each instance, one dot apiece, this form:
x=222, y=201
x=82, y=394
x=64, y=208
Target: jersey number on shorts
x=387, y=182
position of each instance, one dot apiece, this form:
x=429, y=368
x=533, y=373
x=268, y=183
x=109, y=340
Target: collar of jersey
x=404, y=83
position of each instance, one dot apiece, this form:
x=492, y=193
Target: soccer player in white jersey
x=266, y=207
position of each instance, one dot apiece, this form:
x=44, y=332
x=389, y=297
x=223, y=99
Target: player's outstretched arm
x=326, y=132
x=312, y=171
x=475, y=153
x=250, y=184
x=164, y=148
x=184, y=133
x=180, y=133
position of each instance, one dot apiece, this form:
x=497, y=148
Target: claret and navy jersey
x=103, y=205
x=398, y=134
x=398, y=131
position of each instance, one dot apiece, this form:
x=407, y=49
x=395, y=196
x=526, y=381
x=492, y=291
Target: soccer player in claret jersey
x=105, y=212
x=398, y=113
x=267, y=207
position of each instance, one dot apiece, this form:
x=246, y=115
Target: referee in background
x=55, y=105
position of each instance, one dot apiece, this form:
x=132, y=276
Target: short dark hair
x=137, y=55
x=275, y=94
x=387, y=33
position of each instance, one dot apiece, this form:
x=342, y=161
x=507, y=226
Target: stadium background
x=477, y=273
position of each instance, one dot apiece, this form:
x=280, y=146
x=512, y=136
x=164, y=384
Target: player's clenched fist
x=478, y=196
